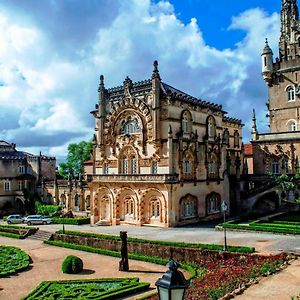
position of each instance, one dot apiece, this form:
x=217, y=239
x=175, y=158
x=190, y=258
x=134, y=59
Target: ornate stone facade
x=161, y=157
x=277, y=152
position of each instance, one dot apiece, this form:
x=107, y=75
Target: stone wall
x=181, y=254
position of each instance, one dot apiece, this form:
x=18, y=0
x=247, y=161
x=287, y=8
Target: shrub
x=72, y=221
x=72, y=265
x=46, y=210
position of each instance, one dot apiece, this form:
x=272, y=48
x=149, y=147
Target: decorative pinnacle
x=101, y=84
x=155, y=74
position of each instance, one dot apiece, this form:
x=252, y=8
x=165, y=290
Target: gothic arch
x=103, y=204
x=149, y=196
x=122, y=196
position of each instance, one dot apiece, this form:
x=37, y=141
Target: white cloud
x=52, y=92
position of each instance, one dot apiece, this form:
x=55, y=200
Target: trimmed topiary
x=72, y=265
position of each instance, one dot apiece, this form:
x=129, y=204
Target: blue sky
x=53, y=51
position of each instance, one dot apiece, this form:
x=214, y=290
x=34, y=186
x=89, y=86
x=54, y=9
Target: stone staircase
x=41, y=235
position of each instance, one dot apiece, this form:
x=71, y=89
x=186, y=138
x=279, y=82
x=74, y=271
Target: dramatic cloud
x=52, y=53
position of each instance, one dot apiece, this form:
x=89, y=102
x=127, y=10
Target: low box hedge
x=239, y=249
x=71, y=221
x=18, y=232
x=156, y=260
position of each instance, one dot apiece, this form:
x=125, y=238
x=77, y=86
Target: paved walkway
x=47, y=266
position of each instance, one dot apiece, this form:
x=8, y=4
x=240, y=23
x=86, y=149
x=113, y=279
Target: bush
x=72, y=265
x=72, y=221
x=46, y=210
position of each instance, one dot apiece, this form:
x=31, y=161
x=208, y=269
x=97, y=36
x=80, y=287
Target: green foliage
x=46, y=210
x=12, y=235
x=156, y=260
x=275, y=227
x=72, y=265
x=174, y=244
x=104, y=288
x=77, y=155
x=12, y=260
x=73, y=221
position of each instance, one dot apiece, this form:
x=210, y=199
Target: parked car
x=37, y=219
x=14, y=219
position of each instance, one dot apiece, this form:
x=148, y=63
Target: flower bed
x=217, y=278
x=12, y=260
x=104, y=288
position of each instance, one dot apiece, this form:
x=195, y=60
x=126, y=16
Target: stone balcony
x=136, y=178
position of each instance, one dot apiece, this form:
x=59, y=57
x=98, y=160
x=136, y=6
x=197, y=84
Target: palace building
x=161, y=157
x=278, y=151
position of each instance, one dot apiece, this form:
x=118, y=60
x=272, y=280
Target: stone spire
x=289, y=19
x=254, y=128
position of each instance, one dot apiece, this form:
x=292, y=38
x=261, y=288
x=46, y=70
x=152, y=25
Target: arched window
x=186, y=122
x=76, y=200
x=213, y=166
x=236, y=138
x=226, y=137
x=275, y=167
x=124, y=165
x=130, y=126
x=188, y=207
x=290, y=93
x=211, y=127
x=128, y=162
x=293, y=126
x=88, y=202
x=129, y=207
x=213, y=203
x=155, y=208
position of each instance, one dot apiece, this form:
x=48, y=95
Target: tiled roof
x=248, y=149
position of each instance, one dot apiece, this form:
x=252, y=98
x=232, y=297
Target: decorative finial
x=155, y=74
x=101, y=84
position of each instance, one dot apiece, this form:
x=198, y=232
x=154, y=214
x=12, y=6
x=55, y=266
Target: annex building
x=161, y=157
x=278, y=151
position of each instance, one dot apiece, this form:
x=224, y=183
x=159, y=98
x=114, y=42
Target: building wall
x=161, y=157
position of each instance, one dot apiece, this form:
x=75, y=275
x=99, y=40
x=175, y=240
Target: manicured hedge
x=12, y=235
x=12, y=260
x=265, y=227
x=165, y=243
x=72, y=221
x=72, y=265
x=156, y=260
x=101, y=289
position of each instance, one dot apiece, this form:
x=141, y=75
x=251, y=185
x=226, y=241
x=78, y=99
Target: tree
x=77, y=155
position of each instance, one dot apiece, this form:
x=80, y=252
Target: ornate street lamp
x=172, y=285
x=224, y=209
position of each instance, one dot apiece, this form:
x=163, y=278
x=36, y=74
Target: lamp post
x=224, y=208
x=172, y=285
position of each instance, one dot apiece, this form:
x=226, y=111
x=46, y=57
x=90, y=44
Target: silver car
x=37, y=219
x=14, y=219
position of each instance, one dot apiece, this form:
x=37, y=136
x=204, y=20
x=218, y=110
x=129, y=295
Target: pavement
x=263, y=242
x=47, y=259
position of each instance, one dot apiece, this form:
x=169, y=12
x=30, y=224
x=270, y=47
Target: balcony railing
x=154, y=178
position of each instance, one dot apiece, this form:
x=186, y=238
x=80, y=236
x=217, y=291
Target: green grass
x=12, y=260
x=172, y=244
x=104, y=288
